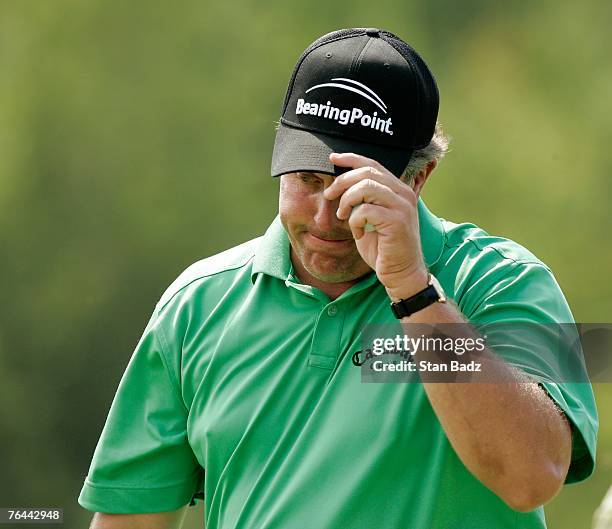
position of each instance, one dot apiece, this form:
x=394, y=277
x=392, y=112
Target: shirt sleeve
x=525, y=303
x=143, y=462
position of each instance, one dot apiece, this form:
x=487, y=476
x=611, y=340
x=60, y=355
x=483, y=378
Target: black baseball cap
x=361, y=90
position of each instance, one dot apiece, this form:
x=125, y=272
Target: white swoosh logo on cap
x=362, y=86
x=352, y=89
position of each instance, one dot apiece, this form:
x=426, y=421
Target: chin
x=334, y=270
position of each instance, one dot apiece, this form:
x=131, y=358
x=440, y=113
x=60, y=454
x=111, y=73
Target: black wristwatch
x=432, y=293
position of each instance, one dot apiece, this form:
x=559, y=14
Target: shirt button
x=332, y=311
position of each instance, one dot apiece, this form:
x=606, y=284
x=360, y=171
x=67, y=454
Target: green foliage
x=136, y=139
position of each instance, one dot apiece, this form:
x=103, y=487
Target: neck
x=332, y=290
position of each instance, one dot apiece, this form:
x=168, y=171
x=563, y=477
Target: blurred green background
x=136, y=138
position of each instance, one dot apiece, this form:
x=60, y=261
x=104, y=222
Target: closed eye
x=309, y=178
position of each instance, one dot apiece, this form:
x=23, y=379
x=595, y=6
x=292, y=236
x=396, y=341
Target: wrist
x=409, y=285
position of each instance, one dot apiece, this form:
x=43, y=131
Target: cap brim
x=301, y=150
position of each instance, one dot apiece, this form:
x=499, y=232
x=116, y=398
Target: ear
x=421, y=177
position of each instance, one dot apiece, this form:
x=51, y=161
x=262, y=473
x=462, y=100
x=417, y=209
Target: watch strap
x=424, y=298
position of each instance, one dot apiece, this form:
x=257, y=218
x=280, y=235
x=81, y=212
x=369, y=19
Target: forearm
x=161, y=520
x=509, y=434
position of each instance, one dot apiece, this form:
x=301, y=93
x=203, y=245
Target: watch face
x=436, y=284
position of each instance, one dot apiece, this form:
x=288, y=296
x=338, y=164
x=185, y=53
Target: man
x=242, y=387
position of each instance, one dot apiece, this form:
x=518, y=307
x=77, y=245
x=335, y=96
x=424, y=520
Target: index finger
x=363, y=167
x=350, y=159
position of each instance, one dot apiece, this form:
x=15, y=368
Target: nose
x=325, y=216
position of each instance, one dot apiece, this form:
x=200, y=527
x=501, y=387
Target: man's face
x=323, y=244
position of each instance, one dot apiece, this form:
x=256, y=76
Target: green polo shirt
x=242, y=387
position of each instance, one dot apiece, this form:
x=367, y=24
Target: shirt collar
x=433, y=236
x=272, y=255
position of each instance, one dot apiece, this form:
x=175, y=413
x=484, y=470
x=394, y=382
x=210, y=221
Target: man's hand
x=370, y=194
